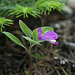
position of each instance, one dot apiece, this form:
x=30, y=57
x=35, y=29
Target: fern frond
x=6, y=5
x=30, y=7
x=24, y=11
x=40, y=5
x=13, y=2
x=4, y=21
x=48, y=5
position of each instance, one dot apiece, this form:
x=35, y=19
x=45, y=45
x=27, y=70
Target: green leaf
x=37, y=55
x=31, y=40
x=27, y=72
x=27, y=31
x=13, y=38
x=44, y=30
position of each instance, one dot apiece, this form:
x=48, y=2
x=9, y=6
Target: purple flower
x=50, y=36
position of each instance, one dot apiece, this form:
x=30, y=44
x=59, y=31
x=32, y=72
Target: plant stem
x=30, y=60
x=50, y=51
x=1, y=28
x=26, y=50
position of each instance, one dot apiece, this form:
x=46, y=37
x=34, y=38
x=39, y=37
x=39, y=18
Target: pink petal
x=56, y=43
x=50, y=35
x=39, y=31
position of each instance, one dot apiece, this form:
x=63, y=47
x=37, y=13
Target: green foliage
x=32, y=42
x=40, y=5
x=13, y=2
x=24, y=11
x=29, y=7
x=29, y=34
x=6, y=5
x=27, y=72
x=32, y=37
x=27, y=31
x=13, y=38
x=4, y=21
x=37, y=55
x=48, y=5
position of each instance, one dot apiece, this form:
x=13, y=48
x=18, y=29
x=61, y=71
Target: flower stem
x=50, y=51
x=30, y=60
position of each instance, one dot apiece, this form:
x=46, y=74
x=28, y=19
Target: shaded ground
x=14, y=60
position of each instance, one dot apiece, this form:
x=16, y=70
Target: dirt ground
x=14, y=60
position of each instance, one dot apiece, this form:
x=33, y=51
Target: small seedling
x=36, y=36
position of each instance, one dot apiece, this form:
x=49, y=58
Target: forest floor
x=14, y=60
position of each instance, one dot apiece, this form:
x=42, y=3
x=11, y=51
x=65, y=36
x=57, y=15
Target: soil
x=14, y=59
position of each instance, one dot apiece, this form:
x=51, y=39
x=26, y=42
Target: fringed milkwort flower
x=50, y=36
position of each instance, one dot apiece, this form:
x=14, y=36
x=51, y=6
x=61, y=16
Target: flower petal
x=56, y=43
x=52, y=41
x=39, y=31
x=50, y=35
